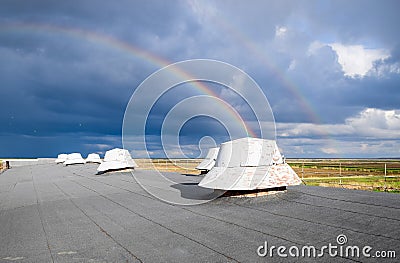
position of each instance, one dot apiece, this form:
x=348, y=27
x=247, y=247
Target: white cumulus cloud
x=356, y=60
x=370, y=123
x=376, y=122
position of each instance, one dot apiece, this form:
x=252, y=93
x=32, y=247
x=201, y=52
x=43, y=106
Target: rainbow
x=205, y=89
x=292, y=88
x=259, y=54
x=160, y=62
x=118, y=44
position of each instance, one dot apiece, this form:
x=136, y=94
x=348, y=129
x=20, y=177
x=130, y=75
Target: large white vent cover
x=209, y=162
x=248, y=164
x=61, y=158
x=74, y=158
x=93, y=158
x=116, y=159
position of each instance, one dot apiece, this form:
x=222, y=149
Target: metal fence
x=379, y=175
x=338, y=168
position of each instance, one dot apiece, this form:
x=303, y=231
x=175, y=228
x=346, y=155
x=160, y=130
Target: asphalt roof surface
x=53, y=213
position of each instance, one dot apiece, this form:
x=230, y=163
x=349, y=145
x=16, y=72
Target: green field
x=374, y=183
x=374, y=174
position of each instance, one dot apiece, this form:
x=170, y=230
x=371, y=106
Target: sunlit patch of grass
x=183, y=166
x=374, y=183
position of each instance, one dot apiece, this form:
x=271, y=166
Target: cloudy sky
x=330, y=71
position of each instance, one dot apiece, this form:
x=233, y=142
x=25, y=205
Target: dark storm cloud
x=55, y=83
x=353, y=21
x=39, y=89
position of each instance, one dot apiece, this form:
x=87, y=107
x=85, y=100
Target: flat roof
x=53, y=213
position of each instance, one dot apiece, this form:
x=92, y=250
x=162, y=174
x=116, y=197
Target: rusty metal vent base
x=255, y=193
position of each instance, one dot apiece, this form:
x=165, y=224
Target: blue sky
x=330, y=70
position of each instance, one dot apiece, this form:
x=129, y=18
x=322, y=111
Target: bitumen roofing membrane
x=56, y=213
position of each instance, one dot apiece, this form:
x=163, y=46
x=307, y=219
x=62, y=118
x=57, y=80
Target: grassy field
x=183, y=166
x=375, y=174
x=326, y=168
x=374, y=183
x=353, y=174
